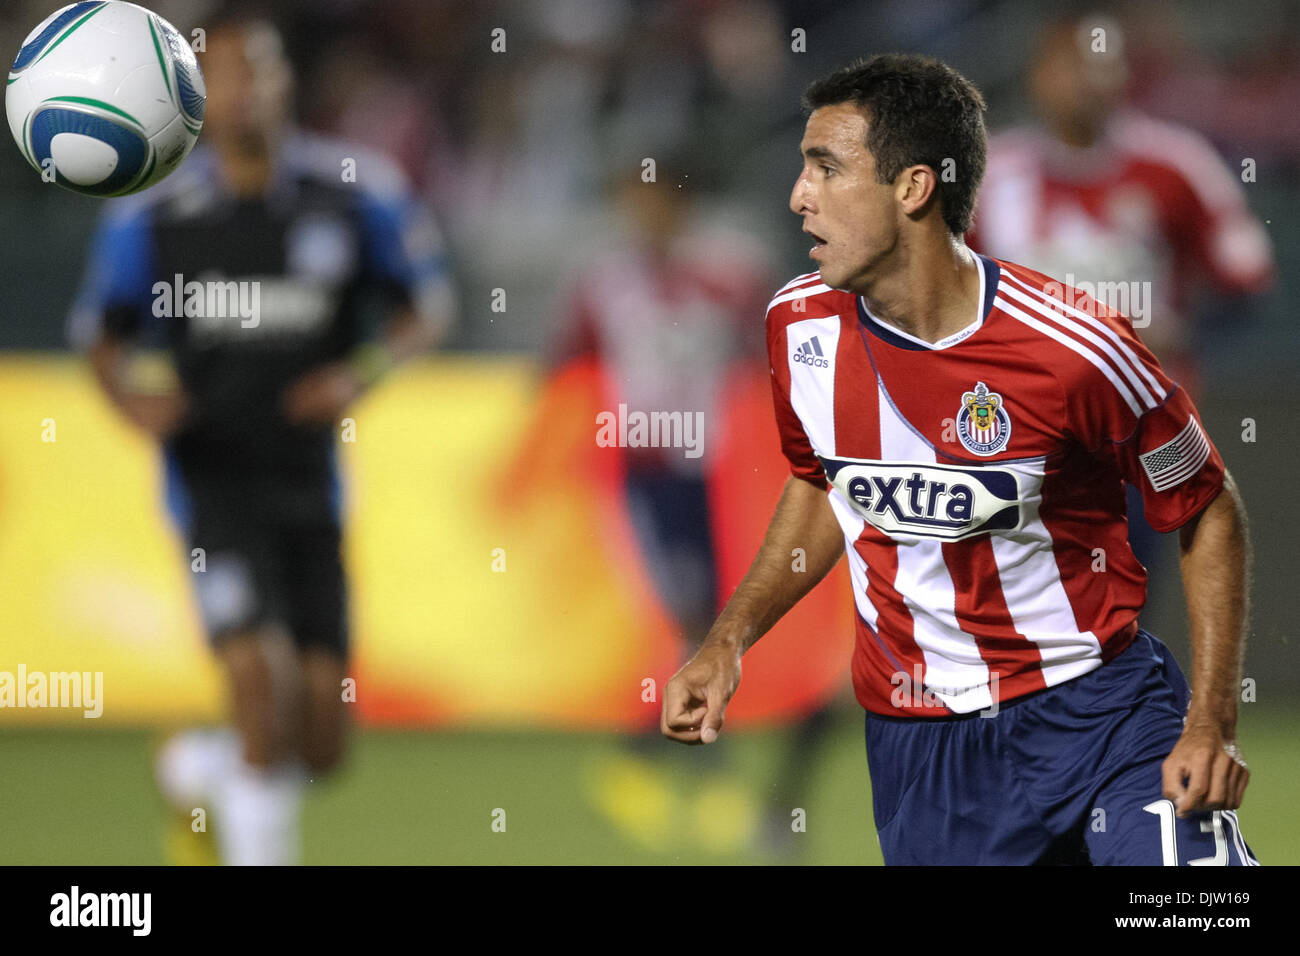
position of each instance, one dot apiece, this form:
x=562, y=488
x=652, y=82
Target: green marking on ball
x=162, y=62
x=99, y=104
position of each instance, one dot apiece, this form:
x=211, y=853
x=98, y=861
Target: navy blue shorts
x=1069, y=775
x=671, y=515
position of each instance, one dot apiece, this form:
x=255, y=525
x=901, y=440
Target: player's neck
x=1077, y=134
x=246, y=171
x=933, y=292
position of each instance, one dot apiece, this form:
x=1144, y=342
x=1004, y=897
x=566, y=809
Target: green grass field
x=87, y=797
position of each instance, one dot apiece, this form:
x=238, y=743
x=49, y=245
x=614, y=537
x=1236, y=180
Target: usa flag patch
x=1177, y=459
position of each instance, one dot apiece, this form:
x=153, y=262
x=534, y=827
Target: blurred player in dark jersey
x=1097, y=193
x=281, y=275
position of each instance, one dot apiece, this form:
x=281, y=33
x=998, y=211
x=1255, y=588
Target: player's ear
x=914, y=187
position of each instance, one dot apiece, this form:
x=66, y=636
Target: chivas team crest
x=982, y=424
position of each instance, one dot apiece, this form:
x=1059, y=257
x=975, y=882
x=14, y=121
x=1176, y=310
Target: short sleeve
x=116, y=289
x=1225, y=239
x=404, y=254
x=798, y=451
x=1122, y=405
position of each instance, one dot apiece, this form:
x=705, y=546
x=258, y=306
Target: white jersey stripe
x=1049, y=306
x=1031, y=586
x=954, y=669
x=1074, y=346
x=798, y=280
x=1047, y=312
x=812, y=388
x=798, y=294
x=1238, y=840
x=852, y=525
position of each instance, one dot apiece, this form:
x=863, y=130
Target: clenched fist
x=696, y=698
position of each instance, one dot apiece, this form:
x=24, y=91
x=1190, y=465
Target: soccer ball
x=105, y=98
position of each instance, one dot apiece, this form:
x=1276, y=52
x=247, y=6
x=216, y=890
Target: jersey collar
x=989, y=275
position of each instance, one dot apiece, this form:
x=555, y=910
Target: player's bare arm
x=696, y=698
x=1205, y=770
x=155, y=407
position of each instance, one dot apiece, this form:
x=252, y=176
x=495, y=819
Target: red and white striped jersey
x=1150, y=205
x=978, y=481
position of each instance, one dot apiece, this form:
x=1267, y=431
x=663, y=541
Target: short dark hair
x=921, y=112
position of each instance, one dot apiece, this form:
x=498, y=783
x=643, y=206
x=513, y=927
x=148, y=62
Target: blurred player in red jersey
x=964, y=436
x=1101, y=196
x=666, y=309
x=1105, y=193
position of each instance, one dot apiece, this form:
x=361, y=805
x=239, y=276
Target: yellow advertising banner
x=494, y=576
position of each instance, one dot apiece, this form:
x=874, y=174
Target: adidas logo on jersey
x=810, y=353
x=907, y=501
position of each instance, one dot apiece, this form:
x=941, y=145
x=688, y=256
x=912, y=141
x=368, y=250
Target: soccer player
x=965, y=437
x=289, y=253
x=1098, y=191
x=1101, y=191
x=664, y=309
x=668, y=329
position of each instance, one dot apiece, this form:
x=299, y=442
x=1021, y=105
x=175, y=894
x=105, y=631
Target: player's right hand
x=320, y=396
x=696, y=698
x=158, y=413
